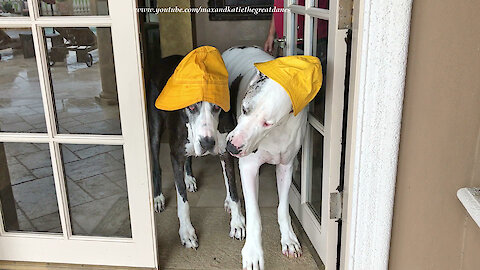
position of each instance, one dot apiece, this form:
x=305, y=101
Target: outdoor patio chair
x=81, y=40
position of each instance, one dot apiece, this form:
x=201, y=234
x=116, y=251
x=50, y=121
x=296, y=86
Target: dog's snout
x=207, y=143
x=232, y=149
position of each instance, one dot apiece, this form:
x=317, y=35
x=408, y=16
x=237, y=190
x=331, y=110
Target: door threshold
x=10, y=265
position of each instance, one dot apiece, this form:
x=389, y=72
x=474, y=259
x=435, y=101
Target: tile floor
x=217, y=250
x=76, y=88
x=96, y=184
x=95, y=174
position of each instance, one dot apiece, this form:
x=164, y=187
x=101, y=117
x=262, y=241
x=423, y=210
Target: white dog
x=267, y=132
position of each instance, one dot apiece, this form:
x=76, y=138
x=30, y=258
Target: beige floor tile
x=36, y=198
x=217, y=250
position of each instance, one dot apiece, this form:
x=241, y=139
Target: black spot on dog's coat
x=244, y=47
x=234, y=88
x=227, y=120
x=258, y=83
x=263, y=77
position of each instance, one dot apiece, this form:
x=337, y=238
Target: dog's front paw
x=190, y=183
x=237, y=223
x=159, y=203
x=237, y=227
x=188, y=237
x=291, y=247
x=252, y=256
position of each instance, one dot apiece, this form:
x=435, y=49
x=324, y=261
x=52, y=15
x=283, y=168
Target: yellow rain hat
x=200, y=76
x=299, y=75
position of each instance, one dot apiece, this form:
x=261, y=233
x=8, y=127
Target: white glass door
x=312, y=29
x=74, y=163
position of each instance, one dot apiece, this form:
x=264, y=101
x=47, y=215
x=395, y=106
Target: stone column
x=107, y=68
x=98, y=7
x=175, y=29
x=6, y=194
x=64, y=7
x=92, y=4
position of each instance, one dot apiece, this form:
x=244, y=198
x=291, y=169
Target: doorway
x=314, y=181
x=70, y=137
x=211, y=222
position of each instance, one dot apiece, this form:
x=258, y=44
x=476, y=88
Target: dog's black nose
x=207, y=143
x=232, y=149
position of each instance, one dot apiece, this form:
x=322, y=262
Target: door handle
x=282, y=42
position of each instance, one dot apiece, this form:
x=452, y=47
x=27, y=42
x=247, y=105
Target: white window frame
x=141, y=249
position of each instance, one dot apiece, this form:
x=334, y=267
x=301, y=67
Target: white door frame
x=379, y=57
x=141, y=249
x=323, y=234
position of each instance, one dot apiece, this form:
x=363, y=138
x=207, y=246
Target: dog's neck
x=284, y=141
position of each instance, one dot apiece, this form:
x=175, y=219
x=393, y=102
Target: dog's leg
x=156, y=122
x=186, y=231
x=290, y=245
x=232, y=203
x=252, y=252
x=190, y=181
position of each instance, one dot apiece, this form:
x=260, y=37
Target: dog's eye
x=192, y=108
x=267, y=124
x=244, y=111
x=216, y=108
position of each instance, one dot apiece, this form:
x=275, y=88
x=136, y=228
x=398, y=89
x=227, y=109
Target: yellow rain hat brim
x=200, y=76
x=299, y=75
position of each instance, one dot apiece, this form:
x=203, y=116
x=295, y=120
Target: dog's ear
x=226, y=122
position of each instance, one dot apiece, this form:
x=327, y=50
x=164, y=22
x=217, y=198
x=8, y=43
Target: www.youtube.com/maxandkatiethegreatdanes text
x=200, y=9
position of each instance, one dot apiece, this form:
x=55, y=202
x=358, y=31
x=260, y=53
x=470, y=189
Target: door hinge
x=345, y=14
x=336, y=199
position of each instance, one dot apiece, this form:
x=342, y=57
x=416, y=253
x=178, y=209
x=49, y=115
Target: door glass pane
x=300, y=26
x=97, y=190
x=297, y=169
x=13, y=8
x=27, y=188
x=299, y=2
x=73, y=7
x=320, y=42
x=83, y=80
x=325, y=4
x=21, y=107
x=315, y=197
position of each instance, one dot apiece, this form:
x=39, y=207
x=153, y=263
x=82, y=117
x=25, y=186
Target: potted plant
x=8, y=7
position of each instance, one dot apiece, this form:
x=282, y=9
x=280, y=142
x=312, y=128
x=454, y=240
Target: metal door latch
x=336, y=199
x=281, y=42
